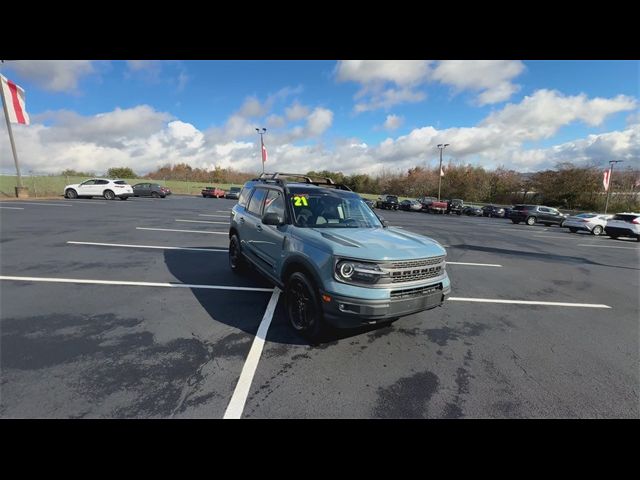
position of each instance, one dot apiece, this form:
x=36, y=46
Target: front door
x=87, y=188
x=251, y=223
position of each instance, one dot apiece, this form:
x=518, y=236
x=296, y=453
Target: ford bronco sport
x=332, y=256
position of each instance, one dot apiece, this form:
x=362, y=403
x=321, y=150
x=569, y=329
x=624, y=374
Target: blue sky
x=346, y=115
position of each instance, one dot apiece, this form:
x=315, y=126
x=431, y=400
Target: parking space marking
x=201, y=221
x=607, y=246
x=528, y=302
x=552, y=236
x=159, y=247
x=14, y=208
x=218, y=216
x=132, y=284
x=188, y=231
x=223, y=211
x=475, y=264
x=241, y=392
x=45, y=204
x=95, y=202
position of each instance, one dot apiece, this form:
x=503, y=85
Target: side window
x=544, y=210
x=101, y=182
x=89, y=182
x=255, y=204
x=274, y=203
x=244, y=194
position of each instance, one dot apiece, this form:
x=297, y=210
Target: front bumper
x=349, y=312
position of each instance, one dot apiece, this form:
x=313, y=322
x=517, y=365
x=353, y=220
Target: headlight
x=358, y=272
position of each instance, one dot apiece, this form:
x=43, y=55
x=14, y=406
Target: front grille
x=414, y=263
x=416, y=292
x=411, y=275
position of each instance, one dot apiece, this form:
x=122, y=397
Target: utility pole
x=441, y=146
x=611, y=162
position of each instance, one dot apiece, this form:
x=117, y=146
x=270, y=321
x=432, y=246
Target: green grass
x=52, y=186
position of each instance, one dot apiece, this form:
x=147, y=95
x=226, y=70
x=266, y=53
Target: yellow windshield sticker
x=300, y=201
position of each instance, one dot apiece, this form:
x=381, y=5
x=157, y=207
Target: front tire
x=109, y=195
x=597, y=230
x=71, y=194
x=303, y=307
x=531, y=221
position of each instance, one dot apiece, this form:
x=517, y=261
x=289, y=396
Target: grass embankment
x=53, y=186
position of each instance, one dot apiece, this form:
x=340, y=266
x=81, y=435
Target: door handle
x=259, y=227
x=242, y=220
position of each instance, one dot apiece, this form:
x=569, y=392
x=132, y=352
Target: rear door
x=251, y=223
x=270, y=237
x=101, y=186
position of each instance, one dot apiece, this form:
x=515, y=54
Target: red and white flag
x=13, y=97
x=264, y=152
x=605, y=179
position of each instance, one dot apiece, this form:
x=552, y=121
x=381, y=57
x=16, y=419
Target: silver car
x=593, y=223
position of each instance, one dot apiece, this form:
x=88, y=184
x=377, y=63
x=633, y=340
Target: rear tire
x=237, y=263
x=109, y=195
x=597, y=230
x=303, y=307
x=531, y=221
x=71, y=194
x=574, y=230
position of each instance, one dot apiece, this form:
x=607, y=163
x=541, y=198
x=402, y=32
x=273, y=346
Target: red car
x=213, y=192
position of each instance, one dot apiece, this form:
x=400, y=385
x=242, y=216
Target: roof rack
x=277, y=178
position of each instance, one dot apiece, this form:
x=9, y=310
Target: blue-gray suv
x=334, y=258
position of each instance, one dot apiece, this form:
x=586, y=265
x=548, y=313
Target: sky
x=354, y=116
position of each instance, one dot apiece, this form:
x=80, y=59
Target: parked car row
x=114, y=188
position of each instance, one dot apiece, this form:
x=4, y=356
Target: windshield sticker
x=300, y=201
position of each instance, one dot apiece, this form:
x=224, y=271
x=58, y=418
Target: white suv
x=624, y=225
x=100, y=187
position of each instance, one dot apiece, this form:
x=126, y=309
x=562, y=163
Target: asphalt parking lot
x=162, y=328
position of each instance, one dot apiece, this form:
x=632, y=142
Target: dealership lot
x=162, y=328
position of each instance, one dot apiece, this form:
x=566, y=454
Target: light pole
x=611, y=162
x=261, y=133
x=441, y=146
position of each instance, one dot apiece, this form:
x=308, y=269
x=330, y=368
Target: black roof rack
x=277, y=177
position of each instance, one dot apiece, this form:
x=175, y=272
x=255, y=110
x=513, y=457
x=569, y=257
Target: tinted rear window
x=586, y=215
x=524, y=207
x=120, y=182
x=234, y=189
x=255, y=204
x=391, y=198
x=625, y=217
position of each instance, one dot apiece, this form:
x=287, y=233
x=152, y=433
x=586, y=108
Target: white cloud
x=144, y=139
x=390, y=98
x=392, y=122
x=252, y=107
x=400, y=72
x=296, y=112
x=53, y=75
x=275, y=121
x=492, y=78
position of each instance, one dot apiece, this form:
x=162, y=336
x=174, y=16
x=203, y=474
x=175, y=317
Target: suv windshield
x=234, y=189
x=321, y=209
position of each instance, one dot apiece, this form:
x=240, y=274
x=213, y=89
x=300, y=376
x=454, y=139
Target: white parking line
x=201, y=221
x=551, y=236
x=14, y=208
x=159, y=247
x=95, y=202
x=475, y=264
x=188, y=231
x=239, y=397
x=132, y=284
x=45, y=204
x=528, y=302
x=219, y=216
x=607, y=246
x=223, y=211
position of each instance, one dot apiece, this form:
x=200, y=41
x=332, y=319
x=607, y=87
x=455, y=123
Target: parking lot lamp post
x=611, y=162
x=441, y=146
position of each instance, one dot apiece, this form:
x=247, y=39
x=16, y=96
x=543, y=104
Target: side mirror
x=272, y=218
x=383, y=221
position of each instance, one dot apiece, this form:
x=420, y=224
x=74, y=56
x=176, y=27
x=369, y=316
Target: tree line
x=567, y=186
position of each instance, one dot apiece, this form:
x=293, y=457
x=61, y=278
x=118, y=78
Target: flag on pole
x=264, y=152
x=605, y=179
x=442, y=171
x=13, y=97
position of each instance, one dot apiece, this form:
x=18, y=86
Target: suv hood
x=376, y=243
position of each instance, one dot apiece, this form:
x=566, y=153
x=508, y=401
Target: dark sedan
x=233, y=193
x=472, y=211
x=492, y=211
x=410, y=205
x=154, y=190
